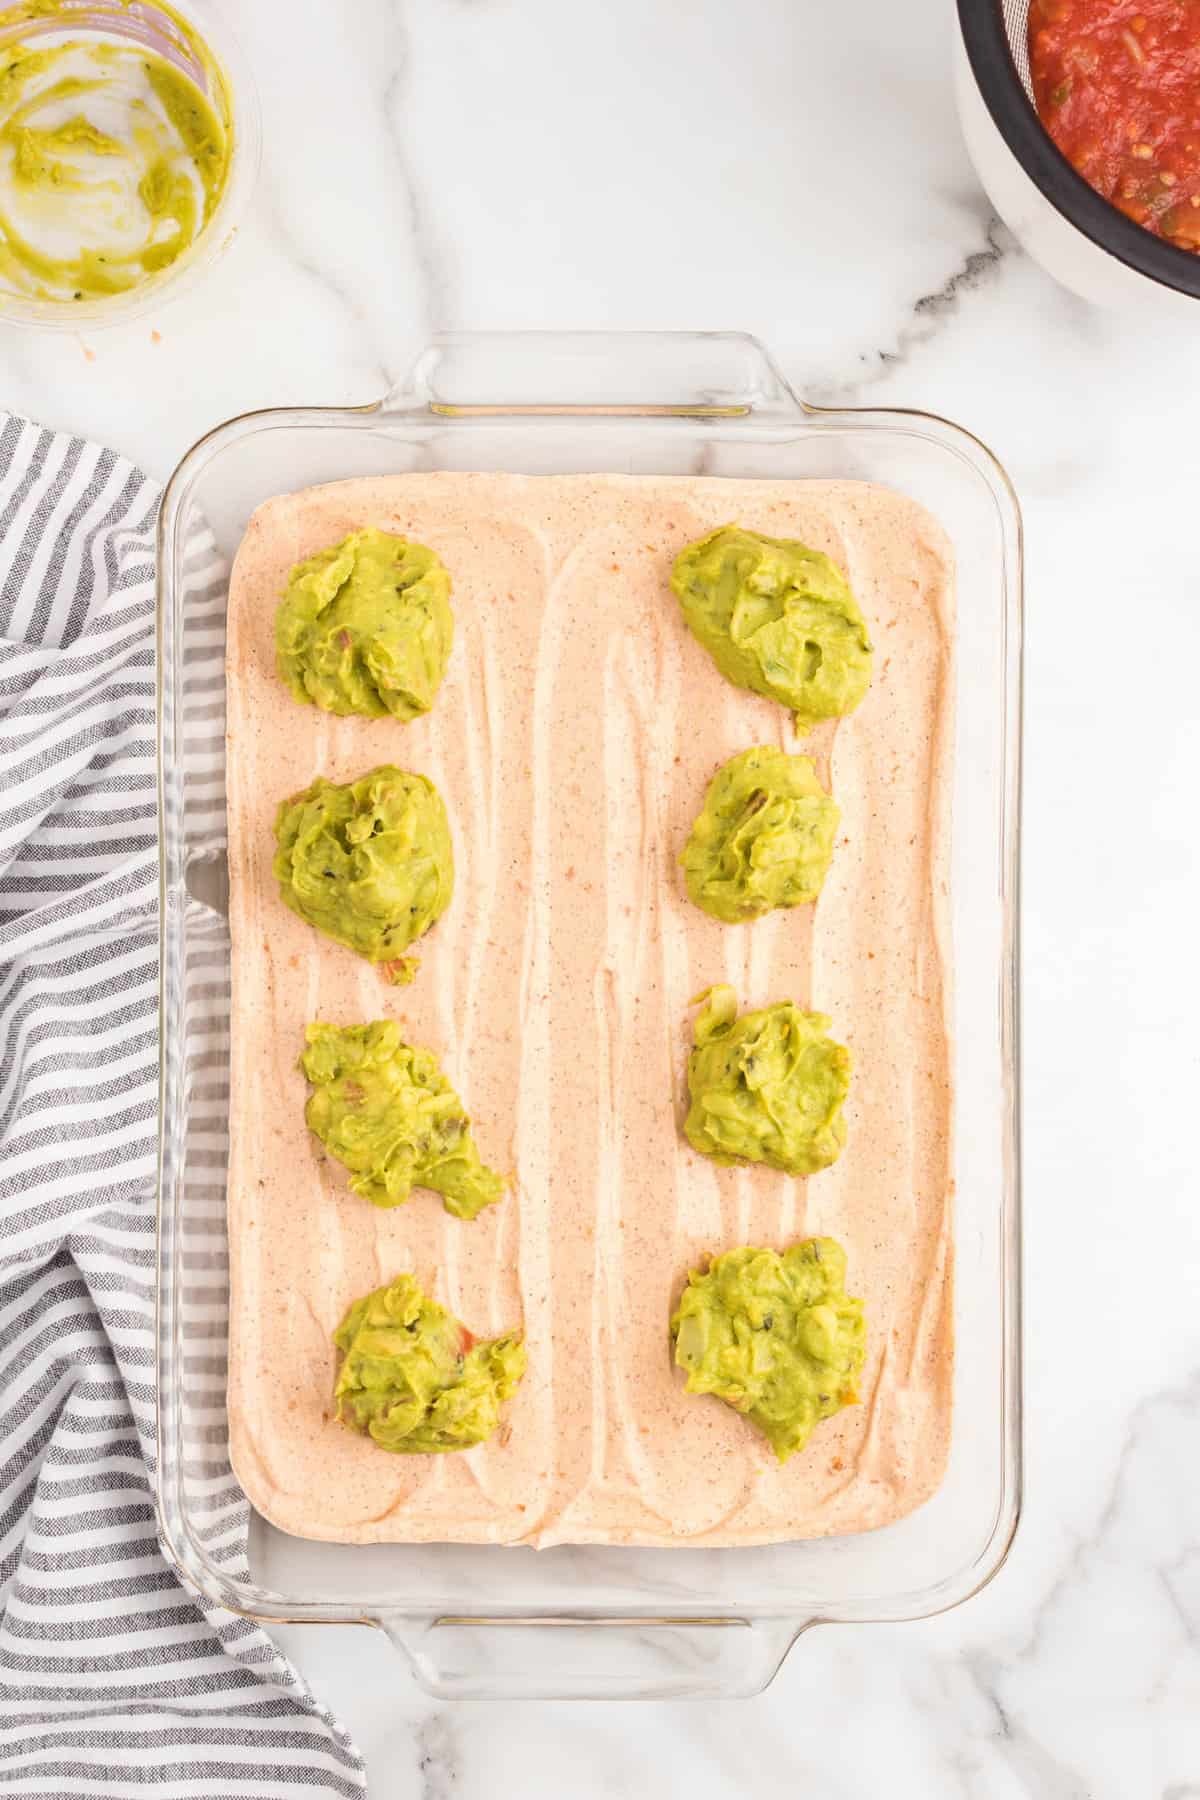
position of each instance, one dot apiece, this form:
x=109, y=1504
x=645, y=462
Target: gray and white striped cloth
x=113, y=1677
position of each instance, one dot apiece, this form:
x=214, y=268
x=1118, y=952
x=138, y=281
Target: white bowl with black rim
x=1064, y=224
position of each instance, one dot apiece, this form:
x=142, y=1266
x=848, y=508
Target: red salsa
x=1117, y=86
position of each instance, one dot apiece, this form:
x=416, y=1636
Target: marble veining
x=797, y=171
x=927, y=317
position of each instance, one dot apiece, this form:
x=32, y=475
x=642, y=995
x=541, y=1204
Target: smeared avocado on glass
x=777, y=618
x=764, y=838
x=767, y=1087
x=366, y=627
x=113, y=157
x=369, y=863
x=776, y=1337
x=387, y=1112
x=413, y=1377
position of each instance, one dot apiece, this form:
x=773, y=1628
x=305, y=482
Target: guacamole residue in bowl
x=116, y=143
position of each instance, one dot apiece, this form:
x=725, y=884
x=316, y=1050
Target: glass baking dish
x=586, y=1621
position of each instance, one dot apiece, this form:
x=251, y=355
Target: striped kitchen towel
x=113, y=1677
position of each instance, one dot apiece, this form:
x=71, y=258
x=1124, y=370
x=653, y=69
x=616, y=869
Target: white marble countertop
x=796, y=171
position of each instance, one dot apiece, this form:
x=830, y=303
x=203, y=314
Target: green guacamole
x=776, y=618
x=366, y=627
x=369, y=863
x=414, y=1379
x=112, y=159
x=767, y=1087
x=764, y=838
x=387, y=1112
x=776, y=1337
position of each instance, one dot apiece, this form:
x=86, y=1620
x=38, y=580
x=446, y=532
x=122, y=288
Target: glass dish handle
x=592, y=1659
x=634, y=374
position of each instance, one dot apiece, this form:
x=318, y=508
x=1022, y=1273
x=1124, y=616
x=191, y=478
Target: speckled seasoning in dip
x=574, y=735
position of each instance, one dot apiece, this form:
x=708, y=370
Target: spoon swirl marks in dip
x=777, y=618
x=366, y=627
x=368, y=862
x=573, y=740
x=767, y=1087
x=386, y=1111
x=776, y=1337
x=413, y=1378
x=764, y=838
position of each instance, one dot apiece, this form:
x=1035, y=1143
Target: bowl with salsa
x=1083, y=120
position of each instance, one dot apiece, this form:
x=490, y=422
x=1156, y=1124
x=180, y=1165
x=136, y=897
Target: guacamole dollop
x=767, y=1087
x=368, y=862
x=776, y=1337
x=777, y=618
x=386, y=1111
x=764, y=837
x=366, y=627
x=414, y=1379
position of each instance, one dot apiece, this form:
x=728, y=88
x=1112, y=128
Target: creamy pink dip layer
x=572, y=740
